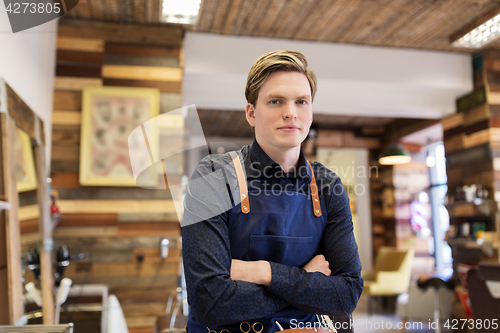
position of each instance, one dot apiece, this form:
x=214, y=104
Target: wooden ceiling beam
x=476, y=22
x=403, y=127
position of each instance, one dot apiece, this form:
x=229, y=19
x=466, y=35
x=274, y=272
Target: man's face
x=283, y=112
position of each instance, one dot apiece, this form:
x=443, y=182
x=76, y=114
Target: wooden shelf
x=469, y=209
x=469, y=243
x=464, y=242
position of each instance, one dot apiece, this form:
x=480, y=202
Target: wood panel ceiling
x=224, y=123
x=415, y=24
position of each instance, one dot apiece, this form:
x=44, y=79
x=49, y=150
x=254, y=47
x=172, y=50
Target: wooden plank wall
x=472, y=147
x=472, y=135
x=116, y=226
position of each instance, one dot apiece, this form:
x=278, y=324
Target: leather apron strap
x=314, y=193
x=242, y=182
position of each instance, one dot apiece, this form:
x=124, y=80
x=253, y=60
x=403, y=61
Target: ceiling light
x=180, y=11
x=395, y=154
x=478, y=33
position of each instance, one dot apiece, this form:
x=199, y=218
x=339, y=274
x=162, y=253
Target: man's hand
x=258, y=272
x=318, y=264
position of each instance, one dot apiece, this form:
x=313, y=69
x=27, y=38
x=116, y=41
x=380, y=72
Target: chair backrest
x=484, y=299
x=406, y=266
x=115, y=321
x=391, y=259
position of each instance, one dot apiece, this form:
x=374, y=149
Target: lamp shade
x=395, y=154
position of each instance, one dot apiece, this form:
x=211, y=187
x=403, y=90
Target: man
x=267, y=237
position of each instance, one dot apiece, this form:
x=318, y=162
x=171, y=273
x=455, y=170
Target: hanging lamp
x=395, y=154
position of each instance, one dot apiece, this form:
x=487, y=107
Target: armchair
x=391, y=274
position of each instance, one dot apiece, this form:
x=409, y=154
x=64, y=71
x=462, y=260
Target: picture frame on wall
x=25, y=171
x=109, y=115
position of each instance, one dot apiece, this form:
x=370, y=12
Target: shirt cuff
x=277, y=272
x=282, y=278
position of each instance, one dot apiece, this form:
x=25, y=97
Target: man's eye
x=274, y=101
x=302, y=102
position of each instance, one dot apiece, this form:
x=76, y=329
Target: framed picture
x=25, y=172
x=109, y=115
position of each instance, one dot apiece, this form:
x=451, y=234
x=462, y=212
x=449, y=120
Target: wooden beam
x=115, y=206
x=80, y=44
x=65, y=152
x=142, y=50
x=328, y=138
x=12, y=227
x=144, y=309
x=169, y=266
x=29, y=226
x=30, y=239
x=127, y=60
x=149, y=229
x=122, y=33
x=477, y=114
x=128, y=295
x=162, y=86
x=403, y=127
x=65, y=180
x=472, y=100
x=142, y=73
x=112, y=193
x=89, y=232
x=17, y=109
x=80, y=57
x=29, y=212
x=452, y=121
x=60, y=117
x=45, y=230
x=468, y=27
x=135, y=282
x=75, y=83
x=88, y=220
x=66, y=137
x=67, y=100
x=73, y=69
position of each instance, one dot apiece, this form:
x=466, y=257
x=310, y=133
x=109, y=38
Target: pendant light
x=395, y=154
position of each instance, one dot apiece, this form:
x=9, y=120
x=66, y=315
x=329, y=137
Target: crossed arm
x=259, y=272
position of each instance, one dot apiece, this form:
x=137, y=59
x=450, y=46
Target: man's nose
x=289, y=112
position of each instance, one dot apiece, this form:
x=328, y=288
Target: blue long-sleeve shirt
x=214, y=298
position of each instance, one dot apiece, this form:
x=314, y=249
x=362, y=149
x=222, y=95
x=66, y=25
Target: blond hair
x=282, y=60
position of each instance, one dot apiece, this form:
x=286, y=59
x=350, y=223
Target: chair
x=174, y=321
x=115, y=321
x=391, y=274
x=421, y=305
x=484, y=292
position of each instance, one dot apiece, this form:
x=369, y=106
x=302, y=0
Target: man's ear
x=250, y=114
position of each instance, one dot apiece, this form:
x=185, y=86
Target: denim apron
x=278, y=226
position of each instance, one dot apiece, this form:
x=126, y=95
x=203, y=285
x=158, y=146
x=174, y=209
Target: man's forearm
x=258, y=272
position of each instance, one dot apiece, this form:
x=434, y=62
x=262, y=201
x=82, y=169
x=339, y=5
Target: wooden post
x=45, y=227
x=14, y=112
x=12, y=228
